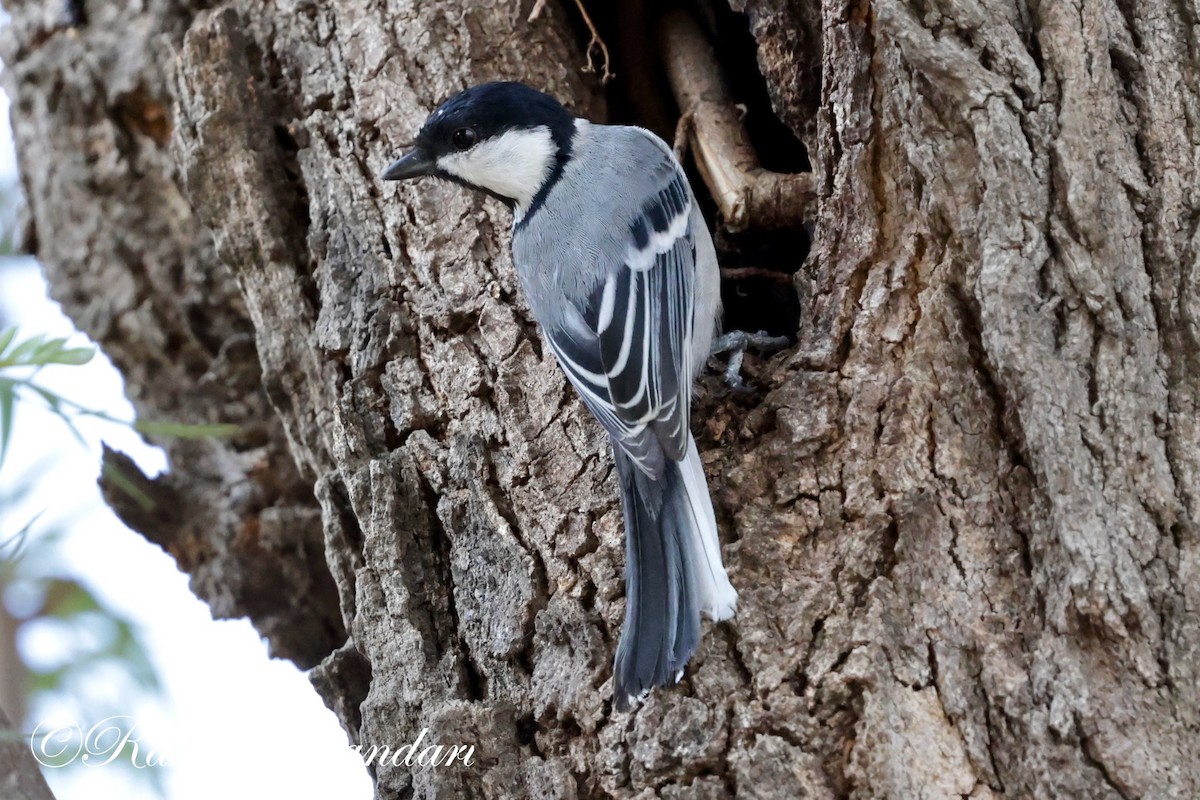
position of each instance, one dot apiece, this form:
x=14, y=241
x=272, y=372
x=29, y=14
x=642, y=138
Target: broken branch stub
x=746, y=194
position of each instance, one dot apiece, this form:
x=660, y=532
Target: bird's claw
x=736, y=343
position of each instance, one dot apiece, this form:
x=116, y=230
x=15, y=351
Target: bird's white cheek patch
x=514, y=164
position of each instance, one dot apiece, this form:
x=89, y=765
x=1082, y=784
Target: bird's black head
x=503, y=138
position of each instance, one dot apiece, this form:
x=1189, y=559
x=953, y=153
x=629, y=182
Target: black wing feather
x=632, y=360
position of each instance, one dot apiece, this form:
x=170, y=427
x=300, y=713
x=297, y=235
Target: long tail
x=673, y=571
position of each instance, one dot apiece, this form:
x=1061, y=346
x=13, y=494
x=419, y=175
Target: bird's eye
x=464, y=138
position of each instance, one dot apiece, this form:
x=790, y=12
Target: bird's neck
x=564, y=143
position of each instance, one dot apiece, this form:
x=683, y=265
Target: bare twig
x=683, y=130
x=538, y=8
x=746, y=194
x=596, y=42
x=740, y=273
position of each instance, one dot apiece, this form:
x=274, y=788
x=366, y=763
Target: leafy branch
x=34, y=354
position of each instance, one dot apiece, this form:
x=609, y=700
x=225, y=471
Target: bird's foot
x=736, y=343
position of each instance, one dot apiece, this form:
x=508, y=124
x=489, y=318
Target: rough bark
x=20, y=776
x=961, y=512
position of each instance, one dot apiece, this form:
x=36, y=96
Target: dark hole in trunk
x=639, y=94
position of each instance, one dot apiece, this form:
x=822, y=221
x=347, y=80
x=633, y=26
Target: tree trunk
x=960, y=512
x=19, y=775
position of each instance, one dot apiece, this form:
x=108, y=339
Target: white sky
x=235, y=723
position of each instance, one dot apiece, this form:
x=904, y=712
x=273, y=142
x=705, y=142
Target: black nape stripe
x=563, y=134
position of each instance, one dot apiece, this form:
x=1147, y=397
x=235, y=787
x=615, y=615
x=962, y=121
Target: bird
x=621, y=275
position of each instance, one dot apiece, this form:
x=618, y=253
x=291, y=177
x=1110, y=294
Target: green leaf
x=38, y=351
x=67, y=598
x=52, y=400
x=22, y=351
x=8, y=397
x=130, y=651
x=10, y=736
x=183, y=430
x=75, y=356
x=55, y=403
x=56, y=406
x=6, y=337
x=47, y=350
x=47, y=680
x=124, y=483
x=15, y=544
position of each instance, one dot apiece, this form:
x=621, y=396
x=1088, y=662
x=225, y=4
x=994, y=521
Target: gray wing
x=626, y=346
